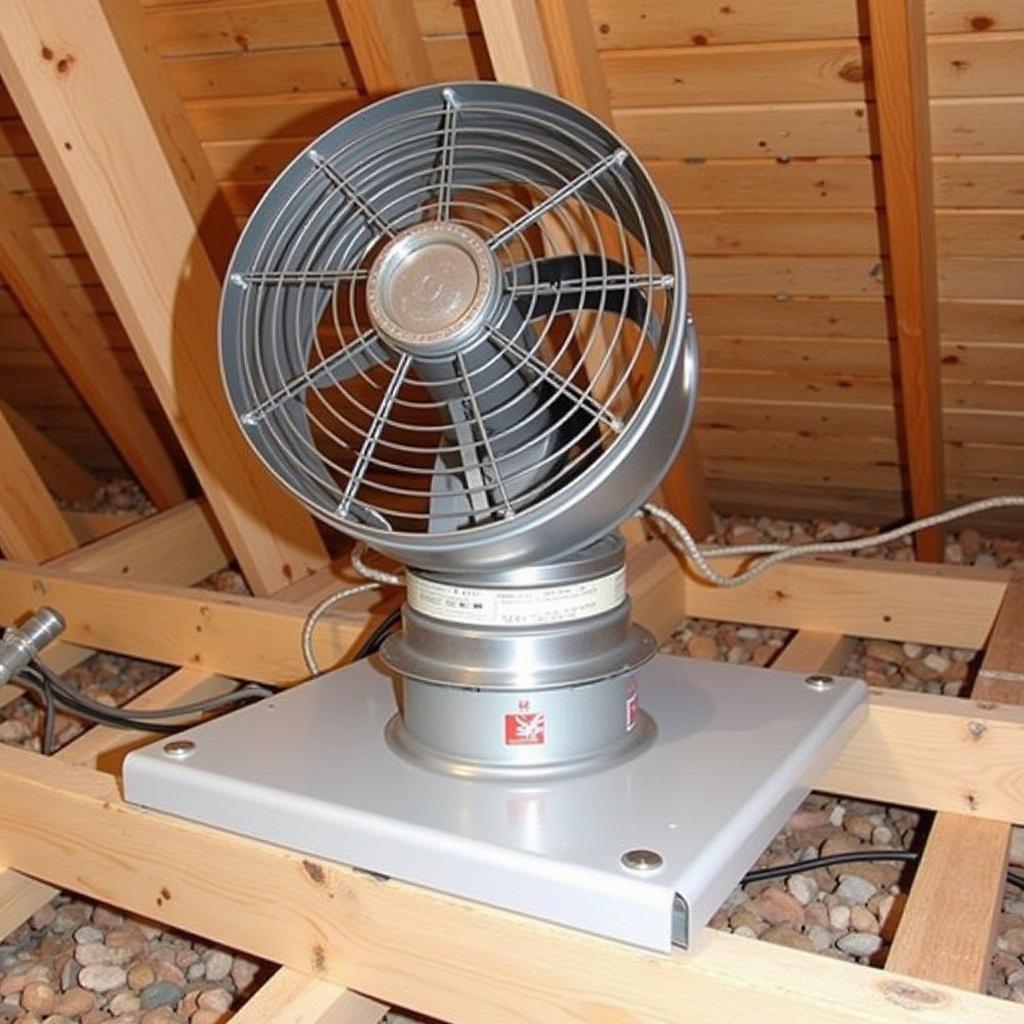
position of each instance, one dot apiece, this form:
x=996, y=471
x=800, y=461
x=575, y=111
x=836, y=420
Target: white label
x=526, y=607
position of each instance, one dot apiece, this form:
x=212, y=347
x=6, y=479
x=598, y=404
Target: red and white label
x=524, y=727
x=632, y=706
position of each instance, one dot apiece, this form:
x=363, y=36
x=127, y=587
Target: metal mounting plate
x=736, y=750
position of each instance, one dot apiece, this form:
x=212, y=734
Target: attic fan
x=456, y=329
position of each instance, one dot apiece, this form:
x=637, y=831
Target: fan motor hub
x=432, y=288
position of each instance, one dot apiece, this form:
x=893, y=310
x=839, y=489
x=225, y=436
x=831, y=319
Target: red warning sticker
x=632, y=706
x=524, y=727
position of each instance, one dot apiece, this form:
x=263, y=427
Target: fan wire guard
x=452, y=318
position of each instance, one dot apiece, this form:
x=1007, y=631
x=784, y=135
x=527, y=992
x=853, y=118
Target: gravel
x=90, y=963
x=76, y=962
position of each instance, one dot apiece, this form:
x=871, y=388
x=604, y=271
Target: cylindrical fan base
x=529, y=733
x=527, y=671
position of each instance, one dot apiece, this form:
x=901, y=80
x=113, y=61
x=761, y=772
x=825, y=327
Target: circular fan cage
x=455, y=328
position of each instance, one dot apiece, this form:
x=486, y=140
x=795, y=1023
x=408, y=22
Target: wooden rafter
x=549, y=45
x=80, y=348
x=211, y=214
x=140, y=231
x=515, y=42
x=31, y=526
x=62, y=475
x=387, y=44
x=900, y=76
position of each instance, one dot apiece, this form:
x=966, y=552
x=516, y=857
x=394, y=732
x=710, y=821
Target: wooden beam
x=289, y=997
x=180, y=546
x=811, y=652
x=62, y=475
x=211, y=214
x=20, y=898
x=516, y=44
x=685, y=488
x=1001, y=676
x=31, y=526
x=90, y=526
x=949, y=923
x=387, y=43
x=549, y=45
x=930, y=604
x=252, y=638
x=449, y=958
x=62, y=64
x=79, y=346
x=900, y=77
x=571, y=48
x=20, y=895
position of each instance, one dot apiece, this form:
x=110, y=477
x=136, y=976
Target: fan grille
x=449, y=310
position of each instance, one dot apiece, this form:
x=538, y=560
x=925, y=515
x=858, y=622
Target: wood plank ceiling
x=759, y=123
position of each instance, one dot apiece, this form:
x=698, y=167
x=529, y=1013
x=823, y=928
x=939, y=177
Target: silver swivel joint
x=20, y=644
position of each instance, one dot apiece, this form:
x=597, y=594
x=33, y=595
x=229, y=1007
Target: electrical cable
x=683, y=540
x=377, y=578
x=853, y=857
x=318, y=612
x=369, y=573
x=56, y=695
x=379, y=635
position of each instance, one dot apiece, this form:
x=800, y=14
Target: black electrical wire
x=853, y=857
x=373, y=642
x=55, y=694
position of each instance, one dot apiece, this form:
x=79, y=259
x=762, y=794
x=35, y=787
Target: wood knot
x=314, y=871
x=319, y=959
x=913, y=997
x=982, y=23
x=852, y=71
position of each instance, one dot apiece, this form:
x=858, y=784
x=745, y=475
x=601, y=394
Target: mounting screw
x=179, y=749
x=820, y=683
x=642, y=860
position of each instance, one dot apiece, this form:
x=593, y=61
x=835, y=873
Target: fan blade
x=512, y=422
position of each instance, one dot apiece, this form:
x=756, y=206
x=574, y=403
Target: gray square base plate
x=736, y=751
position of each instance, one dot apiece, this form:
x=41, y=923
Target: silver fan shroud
x=461, y=297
